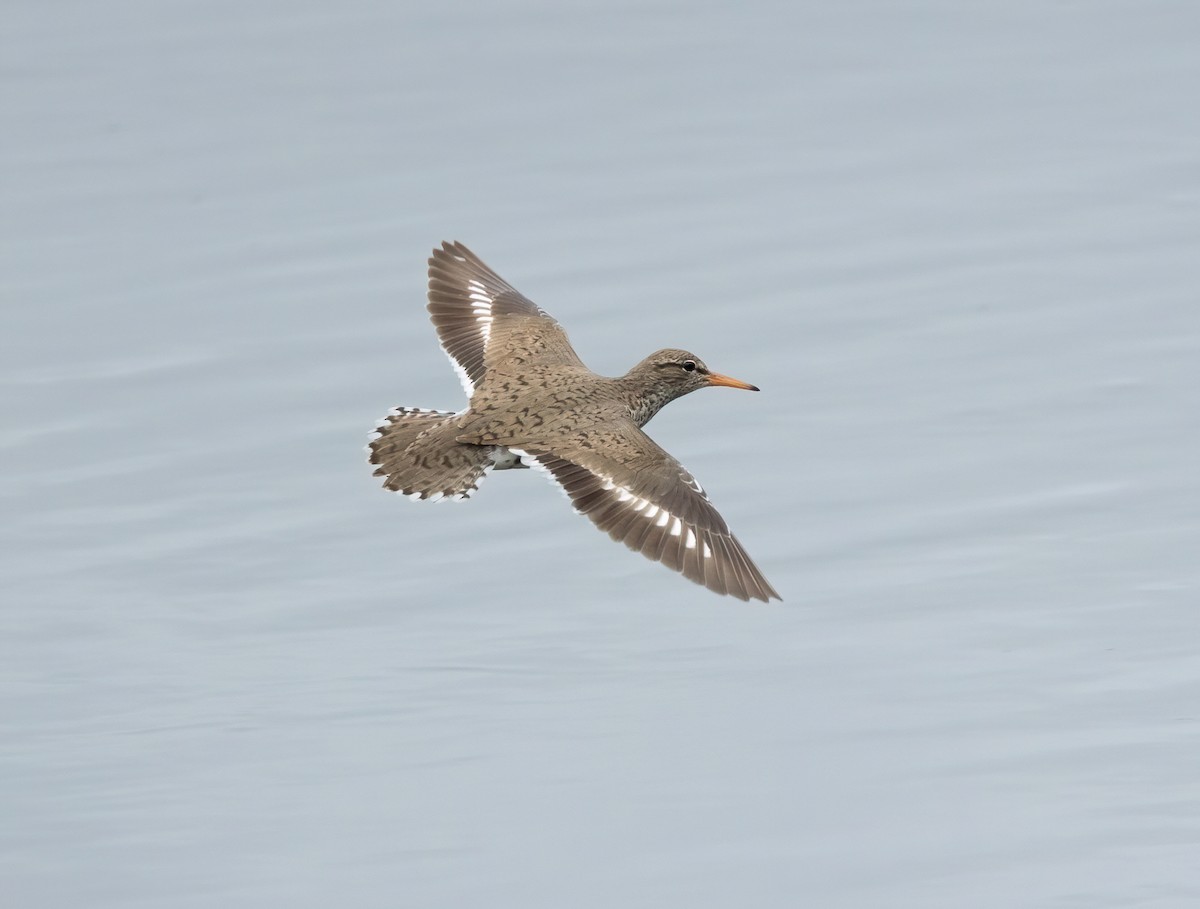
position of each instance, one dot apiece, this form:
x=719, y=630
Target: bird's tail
x=416, y=451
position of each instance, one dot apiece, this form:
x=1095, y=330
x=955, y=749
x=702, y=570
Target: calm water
x=955, y=245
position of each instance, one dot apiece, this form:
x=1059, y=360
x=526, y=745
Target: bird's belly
x=503, y=459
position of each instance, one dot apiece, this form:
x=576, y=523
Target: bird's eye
x=689, y=365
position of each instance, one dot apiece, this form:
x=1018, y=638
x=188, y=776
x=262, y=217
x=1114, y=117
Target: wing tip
x=714, y=560
x=451, y=250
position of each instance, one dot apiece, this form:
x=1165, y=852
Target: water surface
x=955, y=245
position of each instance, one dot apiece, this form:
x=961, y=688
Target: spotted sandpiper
x=532, y=403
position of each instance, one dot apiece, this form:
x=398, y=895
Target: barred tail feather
x=415, y=451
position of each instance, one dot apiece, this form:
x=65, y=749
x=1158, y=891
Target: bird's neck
x=644, y=395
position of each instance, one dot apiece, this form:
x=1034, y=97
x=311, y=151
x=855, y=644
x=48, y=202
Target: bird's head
x=666, y=375
x=685, y=372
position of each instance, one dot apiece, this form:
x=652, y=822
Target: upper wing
x=484, y=322
x=641, y=496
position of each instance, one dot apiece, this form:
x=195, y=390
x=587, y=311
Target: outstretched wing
x=483, y=322
x=641, y=496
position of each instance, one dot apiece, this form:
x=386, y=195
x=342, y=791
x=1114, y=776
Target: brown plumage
x=534, y=404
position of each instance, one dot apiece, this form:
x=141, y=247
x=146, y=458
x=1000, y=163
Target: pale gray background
x=957, y=244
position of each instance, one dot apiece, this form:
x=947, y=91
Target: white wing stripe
x=467, y=384
x=481, y=306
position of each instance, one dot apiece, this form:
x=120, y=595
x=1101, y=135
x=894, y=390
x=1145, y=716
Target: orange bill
x=715, y=378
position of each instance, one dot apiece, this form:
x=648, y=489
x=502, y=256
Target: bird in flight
x=532, y=403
